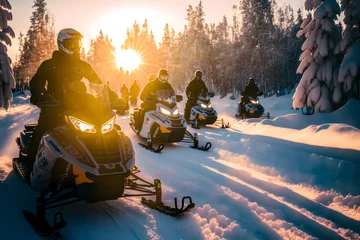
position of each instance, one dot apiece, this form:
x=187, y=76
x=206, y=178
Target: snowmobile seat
x=25, y=139
x=30, y=127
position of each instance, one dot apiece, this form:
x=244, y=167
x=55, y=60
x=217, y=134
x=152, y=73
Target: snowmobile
x=203, y=113
x=133, y=100
x=88, y=158
x=164, y=124
x=253, y=109
x=120, y=106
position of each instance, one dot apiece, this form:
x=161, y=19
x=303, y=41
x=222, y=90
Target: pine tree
x=7, y=81
x=349, y=76
x=101, y=56
x=319, y=64
x=38, y=44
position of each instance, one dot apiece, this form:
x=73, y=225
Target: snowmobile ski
x=189, y=138
x=149, y=145
x=151, y=149
x=174, y=212
x=42, y=227
x=222, y=124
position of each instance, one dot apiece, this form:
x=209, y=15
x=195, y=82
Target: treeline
x=259, y=41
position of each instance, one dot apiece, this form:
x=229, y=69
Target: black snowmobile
x=252, y=109
x=87, y=158
x=203, y=113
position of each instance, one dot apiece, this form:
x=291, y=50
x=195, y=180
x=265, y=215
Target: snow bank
x=215, y=226
x=339, y=129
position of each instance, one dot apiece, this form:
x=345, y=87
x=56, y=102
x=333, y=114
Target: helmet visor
x=72, y=44
x=163, y=77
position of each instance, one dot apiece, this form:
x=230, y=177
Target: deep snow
x=290, y=177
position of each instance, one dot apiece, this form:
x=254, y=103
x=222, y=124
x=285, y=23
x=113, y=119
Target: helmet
x=198, y=73
x=251, y=80
x=163, y=75
x=69, y=41
x=152, y=77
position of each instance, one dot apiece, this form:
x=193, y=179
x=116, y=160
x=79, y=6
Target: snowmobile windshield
x=204, y=97
x=89, y=98
x=166, y=97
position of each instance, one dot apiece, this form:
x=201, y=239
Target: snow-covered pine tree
x=350, y=45
x=38, y=44
x=101, y=56
x=319, y=65
x=7, y=81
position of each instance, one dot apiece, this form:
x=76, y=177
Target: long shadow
x=310, y=168
x=288, y=214
x=291, y=197
x=105, y=220
x=242, y=214
x=350, y=155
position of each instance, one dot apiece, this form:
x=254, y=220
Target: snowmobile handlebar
x=46, y=100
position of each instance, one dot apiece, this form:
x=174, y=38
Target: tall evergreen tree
x=7, y=81
x=319, y=64
x=38, y=44
x=349, y=73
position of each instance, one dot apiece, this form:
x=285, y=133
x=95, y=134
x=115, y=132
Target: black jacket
x=196, y=87
x=55, y=71
x=134, y=90
x=124, y=90
x=251, y=90
x=153, y=87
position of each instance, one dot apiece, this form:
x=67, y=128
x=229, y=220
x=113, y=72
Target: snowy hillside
x=289, y=177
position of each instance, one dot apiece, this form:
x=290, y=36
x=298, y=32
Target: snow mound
x=215, y=226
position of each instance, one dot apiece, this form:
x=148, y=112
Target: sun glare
x=128, y=60
x=124, y=18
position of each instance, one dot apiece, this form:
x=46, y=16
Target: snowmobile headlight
x=108, y=126
x=165, y=111
x=255, y=102
x=203, y=105
x=209, y=106
x=176, y=112
x=82, y=126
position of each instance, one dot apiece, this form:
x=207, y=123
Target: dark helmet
x=163, y=75
x=251, y=80
x=198, y=73
x=152, y=77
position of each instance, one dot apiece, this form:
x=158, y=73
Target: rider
x=125, y=93
x=150, y=91
x=151, y=77
x=193, y=90
x=134, y=91
x=65, y=64
x=251, y=90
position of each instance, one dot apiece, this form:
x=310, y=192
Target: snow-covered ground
x=290, y=177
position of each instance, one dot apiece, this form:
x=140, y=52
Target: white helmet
x=69, y=41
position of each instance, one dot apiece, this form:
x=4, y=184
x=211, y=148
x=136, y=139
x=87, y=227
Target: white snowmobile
x=164, y=124
x=87, y=158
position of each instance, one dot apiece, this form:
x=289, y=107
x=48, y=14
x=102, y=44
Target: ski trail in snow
x=293, y=198
x=293, y=213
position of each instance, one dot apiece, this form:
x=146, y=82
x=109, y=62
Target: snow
x=288, y=177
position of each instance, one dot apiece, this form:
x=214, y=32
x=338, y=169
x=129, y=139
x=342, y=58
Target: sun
x=128, y=60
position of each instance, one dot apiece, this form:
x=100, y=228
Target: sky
x=115, y=16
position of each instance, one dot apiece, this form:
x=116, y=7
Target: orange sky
x=115, y=16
